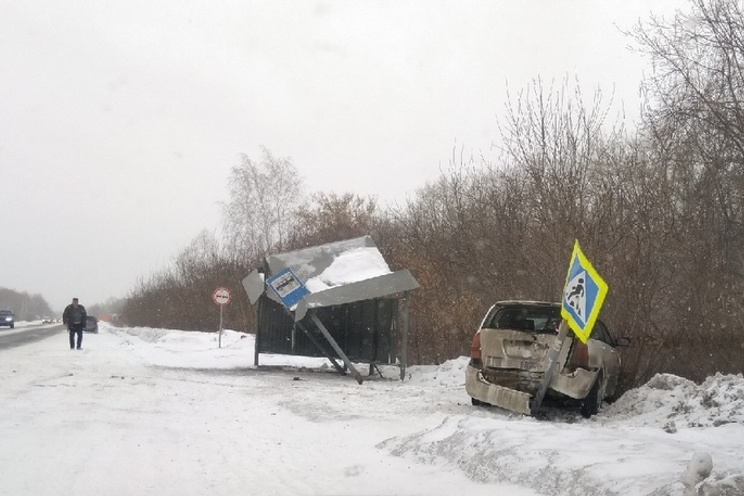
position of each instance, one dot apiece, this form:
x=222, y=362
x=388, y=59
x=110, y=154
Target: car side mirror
x=623, y=342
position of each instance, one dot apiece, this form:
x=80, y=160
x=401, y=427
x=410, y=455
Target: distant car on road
x=7, y=318
x=91, y=324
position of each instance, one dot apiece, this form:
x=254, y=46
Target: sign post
x=290, y=290
x=583, y=295
x=221, y=297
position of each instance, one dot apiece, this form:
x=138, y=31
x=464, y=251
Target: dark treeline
x=24, y=306
x=659, y=212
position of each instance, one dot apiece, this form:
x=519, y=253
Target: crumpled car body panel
x=513, y=362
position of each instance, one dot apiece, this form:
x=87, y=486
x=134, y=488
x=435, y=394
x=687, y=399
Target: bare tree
x=695, y=121
x=264, y=198
x=696, y=107
x=698, y=72
x=332, y=217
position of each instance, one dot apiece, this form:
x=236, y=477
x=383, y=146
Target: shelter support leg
x=256, y=346
x=335, y=345
x=372, y=368
x=404, y=335
x=330, y=357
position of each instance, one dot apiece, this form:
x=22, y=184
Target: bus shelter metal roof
x=334, y=274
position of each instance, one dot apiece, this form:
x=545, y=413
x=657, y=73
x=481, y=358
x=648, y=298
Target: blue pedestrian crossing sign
x=583, y=295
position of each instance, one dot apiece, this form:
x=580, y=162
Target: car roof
x=527, y=302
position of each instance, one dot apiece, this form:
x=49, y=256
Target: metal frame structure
x=363, y=321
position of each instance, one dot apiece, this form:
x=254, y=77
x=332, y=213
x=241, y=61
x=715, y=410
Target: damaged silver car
x=510, y=356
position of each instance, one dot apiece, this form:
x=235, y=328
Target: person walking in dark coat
x=74, y=318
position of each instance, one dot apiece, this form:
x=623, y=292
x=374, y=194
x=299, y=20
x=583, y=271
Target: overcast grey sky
x=120, y=121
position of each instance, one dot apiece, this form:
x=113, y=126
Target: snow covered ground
x=145, y=411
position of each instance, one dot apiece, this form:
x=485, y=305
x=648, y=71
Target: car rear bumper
x=576, y=385
x=493, y=394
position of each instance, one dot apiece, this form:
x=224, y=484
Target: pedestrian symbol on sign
x=583, y=295
x=575, y=295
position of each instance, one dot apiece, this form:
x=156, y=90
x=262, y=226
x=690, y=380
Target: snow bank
x=672, y=402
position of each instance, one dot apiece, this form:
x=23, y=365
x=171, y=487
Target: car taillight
x=475, y=349
x=580, y=354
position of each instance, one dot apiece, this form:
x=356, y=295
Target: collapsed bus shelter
x=339, y=300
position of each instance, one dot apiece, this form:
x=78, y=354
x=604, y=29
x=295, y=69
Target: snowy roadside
x=154, y=411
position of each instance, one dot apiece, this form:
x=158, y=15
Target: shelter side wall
x=364, y=330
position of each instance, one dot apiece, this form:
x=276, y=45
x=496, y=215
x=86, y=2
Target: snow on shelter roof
x=332, y=264
x=335, y=274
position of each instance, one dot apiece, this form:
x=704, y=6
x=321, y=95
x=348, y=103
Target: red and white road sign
x=221, y=296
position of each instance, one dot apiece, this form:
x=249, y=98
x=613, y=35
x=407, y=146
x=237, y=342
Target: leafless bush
x=180, y=296
x=660, y=214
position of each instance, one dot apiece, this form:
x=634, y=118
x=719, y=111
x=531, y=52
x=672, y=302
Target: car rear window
x=543, y=319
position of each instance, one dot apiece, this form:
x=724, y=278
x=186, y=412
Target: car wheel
x=12, y=326
x=593, y=401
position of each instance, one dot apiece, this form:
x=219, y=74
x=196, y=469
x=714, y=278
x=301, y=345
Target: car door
x=604, y=355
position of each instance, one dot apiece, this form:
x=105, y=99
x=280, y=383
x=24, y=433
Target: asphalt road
x=27, y=334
